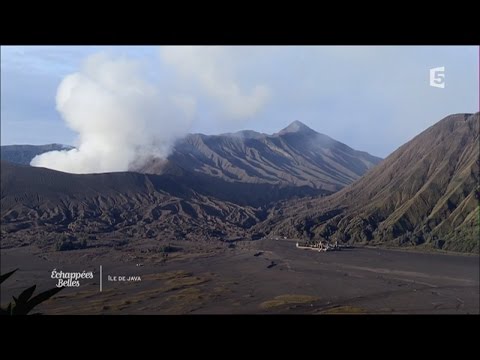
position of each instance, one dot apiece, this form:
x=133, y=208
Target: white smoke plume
x=120, y=117
x=213, y=69
x=123, y=120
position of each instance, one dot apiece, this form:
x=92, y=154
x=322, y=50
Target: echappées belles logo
x=70, y=279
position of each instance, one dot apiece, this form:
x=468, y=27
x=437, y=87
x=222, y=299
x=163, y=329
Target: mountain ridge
x=39, y=203
x=424, y=193
x=24, y=153
x=295, y=156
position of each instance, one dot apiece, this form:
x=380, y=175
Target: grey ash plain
x=253, y=277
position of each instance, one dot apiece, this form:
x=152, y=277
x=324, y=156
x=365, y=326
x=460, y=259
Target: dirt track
x=264, y=276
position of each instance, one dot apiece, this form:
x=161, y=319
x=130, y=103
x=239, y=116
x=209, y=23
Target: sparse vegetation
x=69, y=242
x=166, y=249
x=287, y=299
x=345, y=310
x=185, y=282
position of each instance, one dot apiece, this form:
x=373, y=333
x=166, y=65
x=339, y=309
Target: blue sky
x=371, y=98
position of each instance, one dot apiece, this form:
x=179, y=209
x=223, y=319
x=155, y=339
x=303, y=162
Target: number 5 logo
x=437, y=77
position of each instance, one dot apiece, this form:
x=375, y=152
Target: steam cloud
x=123, y=119
x=120, y=118
x=212, y=68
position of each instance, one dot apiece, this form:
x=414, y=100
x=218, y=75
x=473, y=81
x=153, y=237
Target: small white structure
x=322, y=245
